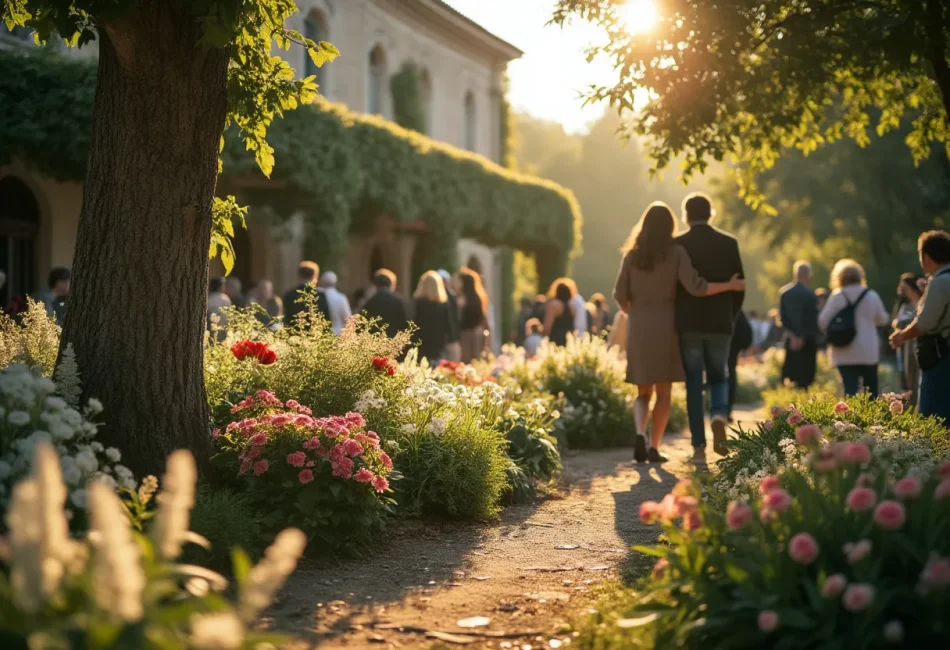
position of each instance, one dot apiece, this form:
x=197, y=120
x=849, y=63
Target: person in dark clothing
x=294, y=302
x=559, y=313
x=474, y=325
x=705, y=324
x=798, y=309
x=431, y=308
x=453, y=347
x=59, y=288
x=540, y=302
x=741, y=341
x=526, y=314
x=388, y=307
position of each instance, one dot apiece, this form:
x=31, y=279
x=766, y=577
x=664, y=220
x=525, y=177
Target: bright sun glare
x=639, y=15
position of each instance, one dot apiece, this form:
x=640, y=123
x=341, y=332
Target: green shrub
x=451, y=453
x=228, y=520
x=327, y=476
x=840, y=552
x=33, y=341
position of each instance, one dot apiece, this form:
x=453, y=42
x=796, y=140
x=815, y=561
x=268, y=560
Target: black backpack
x=841, y=330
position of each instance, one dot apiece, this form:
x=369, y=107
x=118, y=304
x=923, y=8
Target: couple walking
x=682, y=295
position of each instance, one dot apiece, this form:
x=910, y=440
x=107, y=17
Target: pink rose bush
x=835, y=551
x=328, y=475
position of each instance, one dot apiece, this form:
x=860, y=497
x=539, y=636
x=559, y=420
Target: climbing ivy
x=408, y=111
x=339, y=168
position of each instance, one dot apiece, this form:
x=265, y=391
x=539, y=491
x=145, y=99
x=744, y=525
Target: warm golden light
x=638, y=15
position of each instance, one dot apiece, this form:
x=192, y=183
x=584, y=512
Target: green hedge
x=340, y=168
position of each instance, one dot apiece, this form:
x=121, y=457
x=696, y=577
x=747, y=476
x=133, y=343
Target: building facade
x=460, y=67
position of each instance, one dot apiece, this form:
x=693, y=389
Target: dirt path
x=528, y=573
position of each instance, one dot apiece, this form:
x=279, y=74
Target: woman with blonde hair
x=431, y=309
x=653, y=268
x=851, y=318
x=559, y=312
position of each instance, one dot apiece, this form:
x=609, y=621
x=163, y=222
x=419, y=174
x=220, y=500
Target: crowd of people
x=53, y=297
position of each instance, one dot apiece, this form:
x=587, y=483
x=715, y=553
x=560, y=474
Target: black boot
x=640, y=448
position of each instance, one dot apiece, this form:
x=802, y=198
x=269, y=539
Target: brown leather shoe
x=719, y=424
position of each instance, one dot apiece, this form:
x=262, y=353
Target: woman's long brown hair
x=651, y=239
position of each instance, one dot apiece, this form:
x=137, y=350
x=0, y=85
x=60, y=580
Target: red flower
x=390, y=371
x=256, y=349
x=380, y=363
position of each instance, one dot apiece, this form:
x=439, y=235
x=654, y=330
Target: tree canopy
x=747, y=78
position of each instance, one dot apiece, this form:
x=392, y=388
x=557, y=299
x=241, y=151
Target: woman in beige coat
x=653, y=267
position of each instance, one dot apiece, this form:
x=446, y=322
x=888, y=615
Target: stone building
x=461, y=68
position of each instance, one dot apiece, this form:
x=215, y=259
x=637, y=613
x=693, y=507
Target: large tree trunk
x=136, y=313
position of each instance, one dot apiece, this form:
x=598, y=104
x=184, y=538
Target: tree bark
x=136, y=312
x=936, y=26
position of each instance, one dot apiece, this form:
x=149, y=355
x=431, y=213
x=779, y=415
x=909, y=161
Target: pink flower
x=767, y=621
x=777, y=500
x=363, y=476
x=738, y=515
x=312, y=443
x=258, y=439
x=824, y=461
x=908, y=487
x=803, y=548
x=857, y=551
x=355, y=420
x=260, y=467
x=245, y=467
x=936, y=573
x=292, y=404
x=944, y=469
x=834, y=585
x=692, y=521
x=858, y=597
x=342, y=468
x=304, y=410
x=296, y=459
x=860, y=499
x=943, y=490
x=854, y=453
x=254, y=452
x=766, y=515
x=807, y=434
x=768, y=425
x=897, y=407
x=890, y=515
x=660, y=567
x=386, y=460
x=686, y=505
x=769, y=483
x=776, y=411
x=337, y=452
x=381, y=484
x=650, y=512
x=794, y=418
x=352, y=448
x=841, y=408
x=305, y=476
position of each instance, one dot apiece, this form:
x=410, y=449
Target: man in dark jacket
x=798, y=309
x=386, y=305
x=705, y=325
x=294, y=303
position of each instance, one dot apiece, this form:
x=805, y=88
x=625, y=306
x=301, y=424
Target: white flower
x=409, y=428
x=55, y=403
x=86, y=460
x=114, y=455
x=94, y=406
x=270, y=573
x=218, y=631
x=40, y=547
x=19, y=418
x=97, y=446
x=105, y=479
x=175, y=502
x=78, y=498
x=72, y=417
x=71, y=472
x=61, y=431
x=45, y=385
x=117, y=563
x=436, y=426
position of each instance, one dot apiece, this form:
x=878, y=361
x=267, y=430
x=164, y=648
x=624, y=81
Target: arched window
x=425, y=99
x=377, y=81
x=19, y=223
x=315, y=28
x=470, y=131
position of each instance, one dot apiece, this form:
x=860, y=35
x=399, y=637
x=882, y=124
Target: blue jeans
x=709, y=353
x=935, y=391
x=859, y=378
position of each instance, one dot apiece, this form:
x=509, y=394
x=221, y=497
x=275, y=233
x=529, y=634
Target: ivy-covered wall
x=339, y=168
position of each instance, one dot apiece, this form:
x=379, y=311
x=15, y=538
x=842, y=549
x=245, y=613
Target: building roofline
x=447, y=12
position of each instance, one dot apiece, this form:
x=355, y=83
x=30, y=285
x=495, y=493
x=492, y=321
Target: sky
x=546, y=80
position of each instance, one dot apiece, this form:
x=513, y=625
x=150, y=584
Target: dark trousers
x=733, y=378
x=935, y=391
x=859, y=378
x=707, y=353
x=800, y=365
